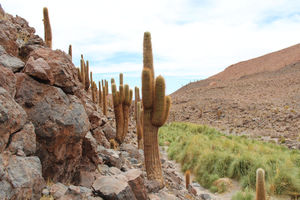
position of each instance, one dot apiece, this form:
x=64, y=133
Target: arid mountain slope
x=239, y=100
x=269, y=62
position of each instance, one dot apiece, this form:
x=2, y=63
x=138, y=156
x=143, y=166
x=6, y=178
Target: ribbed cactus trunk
x=104, y=108
x=118, y=110
x=47, y=28
x=87, y=80
x=156, y=110
x=100, y=94
x=260, y=185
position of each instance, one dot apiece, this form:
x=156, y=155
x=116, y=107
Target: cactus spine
x=47, y=28
x=260, y=185
x=156, y=107
x=139, y=125
x=187, y=179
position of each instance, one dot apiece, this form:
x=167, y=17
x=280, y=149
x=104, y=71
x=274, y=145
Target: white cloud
x=189, y=37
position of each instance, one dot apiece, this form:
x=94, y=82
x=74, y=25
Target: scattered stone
x=111, y=157
x=136, y=181
x=11, y=62
x=8, y=80
x=58, y=190
x=205, y=197
x=111, y=188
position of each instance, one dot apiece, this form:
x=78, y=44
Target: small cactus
x=187, y=179
x=260, y=185
x=47, y=28
x=156, y=110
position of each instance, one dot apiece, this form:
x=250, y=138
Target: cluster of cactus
x=121, y=102
x=83, y=73
x=138, y=114
x=47, y=28
x=260, y=185
x=156, y=110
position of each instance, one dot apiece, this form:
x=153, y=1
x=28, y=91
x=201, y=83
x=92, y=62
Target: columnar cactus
x=118, y=110
x=100, y=94
x=104, y=107
x=156, y=110
x=121, y=103
x=87, y=80
x=70, y=50
x=82, y=70
x=139, y=125
x=187, y=179
x=47, y=28
x=260, y=185
x=136, y=100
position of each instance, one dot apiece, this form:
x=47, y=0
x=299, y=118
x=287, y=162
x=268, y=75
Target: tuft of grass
x=243, y=195
x=211, y=155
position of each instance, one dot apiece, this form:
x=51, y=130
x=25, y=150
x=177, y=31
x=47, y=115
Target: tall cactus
x=156, y=110
x=87, y=80
x=139, y=125
x=47, y=28
x=104, y=102
x=70, y=50
x=136, y=100
x=82, y=70
x=121, y=103
x=118, y=110
x=100, y=94
x=260, y=185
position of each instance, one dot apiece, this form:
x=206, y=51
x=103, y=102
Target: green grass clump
x=246, y=195
x=210, y=155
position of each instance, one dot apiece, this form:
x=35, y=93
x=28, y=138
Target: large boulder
x=62, y=73
x=60, y=123
x=20, y=177
x=12, y=117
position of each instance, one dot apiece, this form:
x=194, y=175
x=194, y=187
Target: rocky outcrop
x=12, y=118
x=61, y=124
x=8, y=80
x=55, y=67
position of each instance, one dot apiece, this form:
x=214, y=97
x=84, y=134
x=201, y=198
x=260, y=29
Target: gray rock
x=11, y=62
x=12, y=117
x=111, y=157
x=205, y=196
x=112, y=189
x=58, y=190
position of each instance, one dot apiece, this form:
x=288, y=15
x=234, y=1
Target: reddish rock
x=23, y=141
x=12, y=117
x=110, y=132
x=39, y=69
x=8, y=80
x=100, y=137
x=136, y=181
x=58, y=190
x=60, y=124
x=62, y=69
x=112, y=189
x=21, y=177
x=90, y=149
x=86, y=178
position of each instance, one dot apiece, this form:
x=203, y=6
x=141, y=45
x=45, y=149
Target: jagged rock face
x=61, y=123
x=8, y=80
x=12, y=117
x=54, y=67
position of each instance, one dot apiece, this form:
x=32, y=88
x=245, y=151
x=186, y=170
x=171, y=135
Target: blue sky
x=191, y=39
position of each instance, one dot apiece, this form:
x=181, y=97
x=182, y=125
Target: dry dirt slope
x=259, y=97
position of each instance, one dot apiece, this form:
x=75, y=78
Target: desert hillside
x=258, y=97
